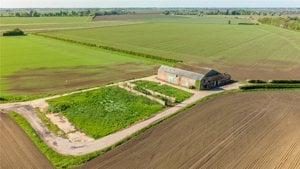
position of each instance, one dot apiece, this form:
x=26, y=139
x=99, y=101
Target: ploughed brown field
x=17, y=150
x=257, y=130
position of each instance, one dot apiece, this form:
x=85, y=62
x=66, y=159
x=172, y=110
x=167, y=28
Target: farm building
x=193, y=77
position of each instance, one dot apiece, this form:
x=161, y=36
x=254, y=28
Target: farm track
x=17, y=150
x=64, y=146
x=250, y=130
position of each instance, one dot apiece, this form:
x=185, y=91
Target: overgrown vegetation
x=58, y=160
x=104, y=111
x=292, y=23
x=15, y=32
x=167, y=90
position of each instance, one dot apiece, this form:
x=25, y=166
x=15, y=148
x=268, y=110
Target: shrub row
x=285, y=81
x=244, y=23
x=256, y=81
x=15, y=32
x=116, y=49
x=270, y=86
x=275, y=81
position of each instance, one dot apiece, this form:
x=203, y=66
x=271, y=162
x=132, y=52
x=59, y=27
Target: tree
x=229, y=22
x=15, y=32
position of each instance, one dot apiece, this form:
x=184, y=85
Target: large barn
x=193, y=76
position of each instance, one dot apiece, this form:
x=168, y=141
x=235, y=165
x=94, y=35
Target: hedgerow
x=115, y=49
x=256, y=81
x=285, y=81
x=270, y=86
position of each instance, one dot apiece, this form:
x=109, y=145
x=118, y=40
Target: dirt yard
x=242, y=130
x=17, y=150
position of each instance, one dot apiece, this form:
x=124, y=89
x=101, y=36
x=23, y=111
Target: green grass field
x=40, y=24
x=104, y=111
x=210, y=19
x=35, y=20
x=237, y=49
x=37, y=65
x=167, y=90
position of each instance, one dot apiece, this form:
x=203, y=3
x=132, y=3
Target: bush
x=168, y=102
x=58, y=107
x=256, y=81
x=192, y=87
x=15, y=32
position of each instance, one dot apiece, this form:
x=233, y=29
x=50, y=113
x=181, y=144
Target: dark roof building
x=192, y=76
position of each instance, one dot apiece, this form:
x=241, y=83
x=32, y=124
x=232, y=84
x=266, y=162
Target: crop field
x=32, y=65
x=104, y=111
x=17, y=150
x=244, y=51
x=175, y=18
x=39, y=24
x=261, y=131
x=167, y=90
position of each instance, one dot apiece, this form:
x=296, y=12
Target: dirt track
x=242, y=130
x=17, y=150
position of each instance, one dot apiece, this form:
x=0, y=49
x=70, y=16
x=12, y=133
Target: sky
x=145, y=3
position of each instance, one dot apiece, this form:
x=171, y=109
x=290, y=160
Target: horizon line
x=146, y=7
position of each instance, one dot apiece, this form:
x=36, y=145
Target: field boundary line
x=145, y=55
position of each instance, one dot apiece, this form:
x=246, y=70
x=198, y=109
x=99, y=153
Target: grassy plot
x=196, y=42
x=33, y=65
x=245, y=51
x=104, y=111
x=167, y=90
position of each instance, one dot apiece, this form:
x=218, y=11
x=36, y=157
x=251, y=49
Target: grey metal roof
x=193, y=68
x=181, y=72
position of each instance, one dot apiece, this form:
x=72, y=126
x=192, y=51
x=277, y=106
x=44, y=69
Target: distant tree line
x=292, y=23
x=85, y=12
x=233, y=11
